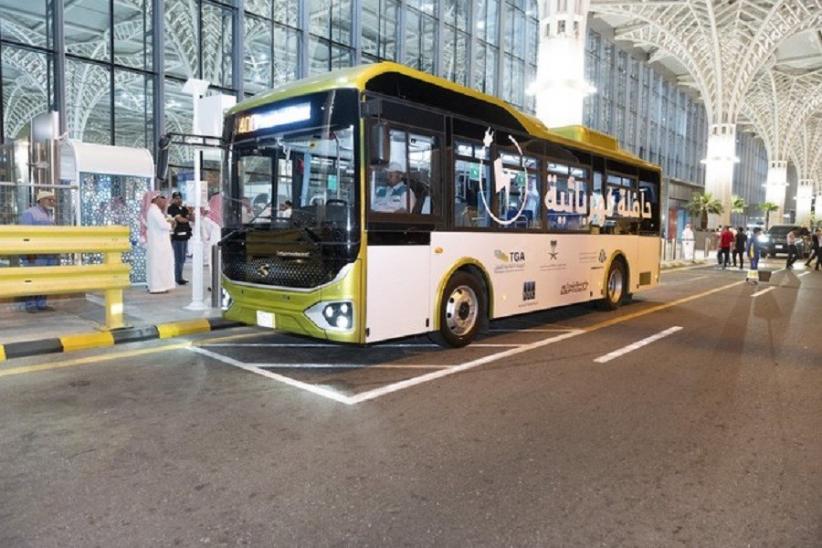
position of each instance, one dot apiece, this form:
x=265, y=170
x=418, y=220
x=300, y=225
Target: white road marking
x=318, y=390
x=324, y=345
x=382, y=391
x=270, y=345
x=637, y=345
x=443, y=370
x=533, y=330
x=762, y=292
x=346, y=366
x=803, y=274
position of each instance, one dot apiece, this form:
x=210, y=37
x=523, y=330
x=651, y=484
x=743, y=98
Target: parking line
x=637, y=345
x=344, y=366
x=533, y=330
x=318, y=390
x=762, y=292
x=382, y=391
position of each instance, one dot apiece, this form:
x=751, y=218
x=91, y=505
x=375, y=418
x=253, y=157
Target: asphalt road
x=707, y=436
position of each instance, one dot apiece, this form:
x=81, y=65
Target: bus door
x=404, y=207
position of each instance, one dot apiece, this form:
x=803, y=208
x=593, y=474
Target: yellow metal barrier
x=110, y=277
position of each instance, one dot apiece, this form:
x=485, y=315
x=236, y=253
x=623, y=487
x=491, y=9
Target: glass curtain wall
x=26, y=57
x=651, y=116
x=120, y=78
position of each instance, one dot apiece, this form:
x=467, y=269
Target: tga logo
x=511, y=256
x=529, y=291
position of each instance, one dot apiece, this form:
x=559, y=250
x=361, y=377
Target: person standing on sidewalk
x=726, y=239
x=155, y=230
x=740, y=245
x=40, y=214
x=180, y=234
x=790, y=239
x=688, y=243
x=814, y=249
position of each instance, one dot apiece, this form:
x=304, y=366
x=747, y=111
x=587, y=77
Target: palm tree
x=738, y=205
x=766, y=208
x=701, y=205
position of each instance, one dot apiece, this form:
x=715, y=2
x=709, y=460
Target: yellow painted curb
x=2, y=353
x=86, y=340
x=175, y=329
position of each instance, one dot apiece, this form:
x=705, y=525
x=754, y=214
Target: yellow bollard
x=114, y=297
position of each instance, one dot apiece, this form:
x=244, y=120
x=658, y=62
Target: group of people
x=166, y=230
x=736, y=244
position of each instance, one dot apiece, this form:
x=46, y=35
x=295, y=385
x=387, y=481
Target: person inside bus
x=393, y=196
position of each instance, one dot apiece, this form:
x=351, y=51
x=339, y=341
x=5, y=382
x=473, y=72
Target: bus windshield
x=304, y=179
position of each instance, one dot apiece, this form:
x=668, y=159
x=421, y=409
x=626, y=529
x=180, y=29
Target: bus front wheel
x=615, y=286
x=462, y=310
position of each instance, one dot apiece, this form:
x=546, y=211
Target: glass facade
x=655, y=119
x=650, y=115
x=119, y=69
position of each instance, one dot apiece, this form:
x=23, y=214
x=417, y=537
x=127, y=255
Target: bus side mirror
x=378, y=144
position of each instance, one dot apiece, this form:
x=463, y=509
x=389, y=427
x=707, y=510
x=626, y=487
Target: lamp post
x=196, y=88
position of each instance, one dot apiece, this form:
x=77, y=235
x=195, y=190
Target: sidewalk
x=78, y=321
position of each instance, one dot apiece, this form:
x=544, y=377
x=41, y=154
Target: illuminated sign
x=273, y=118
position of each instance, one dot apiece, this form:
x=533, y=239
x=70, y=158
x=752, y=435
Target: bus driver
x=393, y=197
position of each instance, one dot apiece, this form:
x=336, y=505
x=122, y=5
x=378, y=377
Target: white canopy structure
x=720, y=49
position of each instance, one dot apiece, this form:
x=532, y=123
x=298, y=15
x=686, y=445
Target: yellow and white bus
x=378, y=202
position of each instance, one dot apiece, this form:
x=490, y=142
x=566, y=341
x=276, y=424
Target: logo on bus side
x=529, y=291
x=554, y=254
x=570, y=199
x=511, y=256
x=511, y=261
x=573, y=287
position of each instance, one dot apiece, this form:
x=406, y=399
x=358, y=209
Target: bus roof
x=357, y=78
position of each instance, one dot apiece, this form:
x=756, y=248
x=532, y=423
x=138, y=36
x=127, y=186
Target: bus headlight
x=225, y=300
x=336, y=316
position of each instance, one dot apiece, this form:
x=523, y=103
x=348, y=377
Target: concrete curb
x=675, y=265
x=99, y=339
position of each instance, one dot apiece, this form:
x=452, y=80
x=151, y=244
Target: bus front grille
x=275, y=272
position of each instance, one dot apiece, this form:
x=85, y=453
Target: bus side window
x=469, y=210
x=409, y=183
x=423, y=173
x=389, y=183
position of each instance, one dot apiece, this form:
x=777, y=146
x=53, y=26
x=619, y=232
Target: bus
x=378, y=202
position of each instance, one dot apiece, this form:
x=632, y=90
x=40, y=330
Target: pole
x=197, y=89
x=216, y=278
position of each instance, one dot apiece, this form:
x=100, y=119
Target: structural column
x=777, y=184
x=719, y=169
x=560, y=87
x=804, y=199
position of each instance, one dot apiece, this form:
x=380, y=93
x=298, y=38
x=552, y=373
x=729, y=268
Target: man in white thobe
x=688, y=243
x=160, y=256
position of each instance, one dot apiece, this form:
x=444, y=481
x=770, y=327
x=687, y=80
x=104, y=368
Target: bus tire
x=463, y=310
x=616, y=286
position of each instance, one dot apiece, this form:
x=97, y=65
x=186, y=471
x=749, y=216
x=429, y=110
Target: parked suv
x=775, y=240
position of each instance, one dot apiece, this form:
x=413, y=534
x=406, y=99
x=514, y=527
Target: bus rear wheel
x=462, y=310
x=615, y=286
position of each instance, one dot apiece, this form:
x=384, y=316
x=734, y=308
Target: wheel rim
x=461, y=310
x=615, y=285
